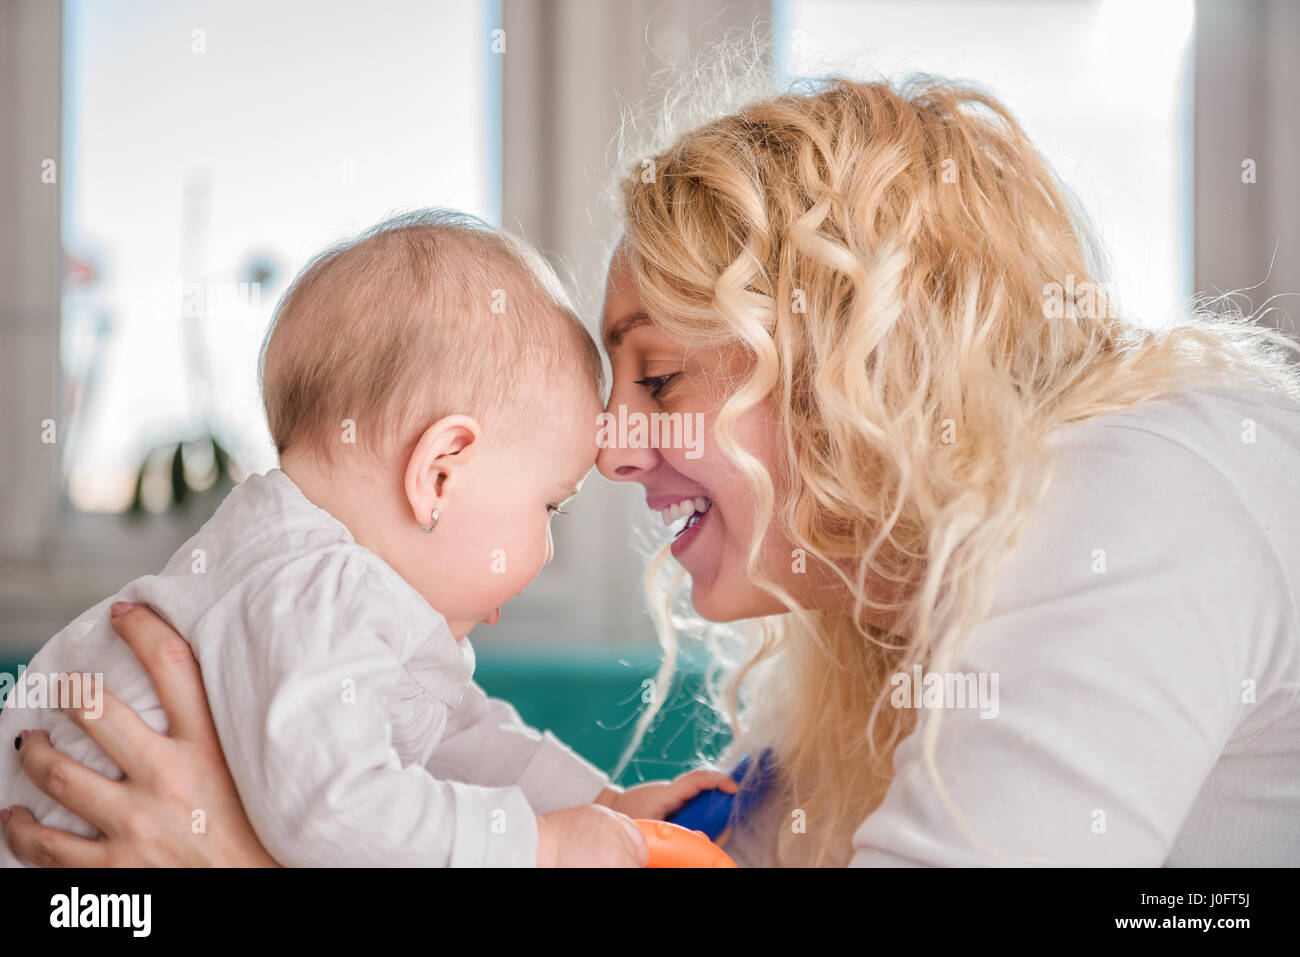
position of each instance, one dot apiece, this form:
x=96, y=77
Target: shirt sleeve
x=1124, y=626
x=297, y=678
x=486, y=742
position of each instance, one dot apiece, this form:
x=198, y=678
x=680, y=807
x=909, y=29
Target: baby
x=433, y=399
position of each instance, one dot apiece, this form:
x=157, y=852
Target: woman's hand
x=177, y=806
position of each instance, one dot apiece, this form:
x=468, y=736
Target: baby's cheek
x=529, y=557
x=542, y=552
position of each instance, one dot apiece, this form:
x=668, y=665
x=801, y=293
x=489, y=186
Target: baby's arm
x=486, y=742
x=296, y=672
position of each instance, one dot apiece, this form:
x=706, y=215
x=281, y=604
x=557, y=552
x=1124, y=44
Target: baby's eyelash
x=556, y=510
x=657, y=383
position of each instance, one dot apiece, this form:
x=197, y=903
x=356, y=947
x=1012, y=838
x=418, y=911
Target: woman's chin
x=715, y=601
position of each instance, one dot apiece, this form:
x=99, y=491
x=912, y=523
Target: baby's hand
x=590, y=835
x=659, y=799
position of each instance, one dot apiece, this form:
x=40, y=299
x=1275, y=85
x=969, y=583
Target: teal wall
x=592, y=703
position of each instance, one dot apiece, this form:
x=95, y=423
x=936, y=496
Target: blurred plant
x=177, y=473
x=171, y=475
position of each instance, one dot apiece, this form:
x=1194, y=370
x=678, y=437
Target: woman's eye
x=656, y=384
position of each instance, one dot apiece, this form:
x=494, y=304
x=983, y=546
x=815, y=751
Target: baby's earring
x=433, y=522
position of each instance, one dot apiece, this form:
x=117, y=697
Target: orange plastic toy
x=672, y=845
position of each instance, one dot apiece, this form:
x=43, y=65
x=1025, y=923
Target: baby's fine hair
x=427, y=314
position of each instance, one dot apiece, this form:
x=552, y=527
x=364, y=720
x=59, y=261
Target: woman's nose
x=619, y=458
x=619, y=463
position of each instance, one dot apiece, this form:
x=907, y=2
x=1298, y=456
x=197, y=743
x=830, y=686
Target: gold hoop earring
x=433, y=522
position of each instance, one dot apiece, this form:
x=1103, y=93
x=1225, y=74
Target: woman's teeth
x=684, y=509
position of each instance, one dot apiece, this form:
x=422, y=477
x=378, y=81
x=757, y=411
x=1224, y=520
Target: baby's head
x=433, y=368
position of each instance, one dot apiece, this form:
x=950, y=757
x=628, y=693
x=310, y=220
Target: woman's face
x=653, y=374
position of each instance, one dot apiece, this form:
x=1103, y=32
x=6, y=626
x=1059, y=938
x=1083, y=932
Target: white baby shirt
x=345, y=707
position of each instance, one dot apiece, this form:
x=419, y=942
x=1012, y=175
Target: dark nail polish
x=18, y=742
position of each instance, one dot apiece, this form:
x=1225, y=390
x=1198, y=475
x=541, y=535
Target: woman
x=1022, y=574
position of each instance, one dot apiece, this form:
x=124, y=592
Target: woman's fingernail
x=119, y=608
x=4, y=816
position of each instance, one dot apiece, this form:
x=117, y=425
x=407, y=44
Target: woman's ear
x=438, y=461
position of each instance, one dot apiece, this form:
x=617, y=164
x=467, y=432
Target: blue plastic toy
x=713, y=812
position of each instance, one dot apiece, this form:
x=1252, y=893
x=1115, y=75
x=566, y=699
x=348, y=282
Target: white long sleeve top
x=1147, y=639
x=1147, y=646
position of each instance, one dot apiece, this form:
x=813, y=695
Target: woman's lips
x=690, y=532
x=675, y=506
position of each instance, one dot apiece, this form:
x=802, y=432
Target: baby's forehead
x=559, y=457
x=566, y=413
x=552, y=378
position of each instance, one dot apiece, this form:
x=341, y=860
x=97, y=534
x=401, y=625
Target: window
x=210, y=149
x=1102, y=88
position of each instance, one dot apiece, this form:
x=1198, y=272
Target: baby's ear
x=439, y=458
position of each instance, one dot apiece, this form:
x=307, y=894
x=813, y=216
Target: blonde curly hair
x=921, y=301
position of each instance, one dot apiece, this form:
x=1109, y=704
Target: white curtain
x=1247, y=83
x=30, y=75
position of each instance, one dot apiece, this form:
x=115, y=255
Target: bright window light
x=211, y=148
x=1103, y=89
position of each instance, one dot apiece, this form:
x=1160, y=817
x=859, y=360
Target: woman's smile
x=689, y=532
x=689, y=510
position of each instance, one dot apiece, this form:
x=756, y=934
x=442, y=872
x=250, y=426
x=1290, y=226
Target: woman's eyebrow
x=617, y=330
